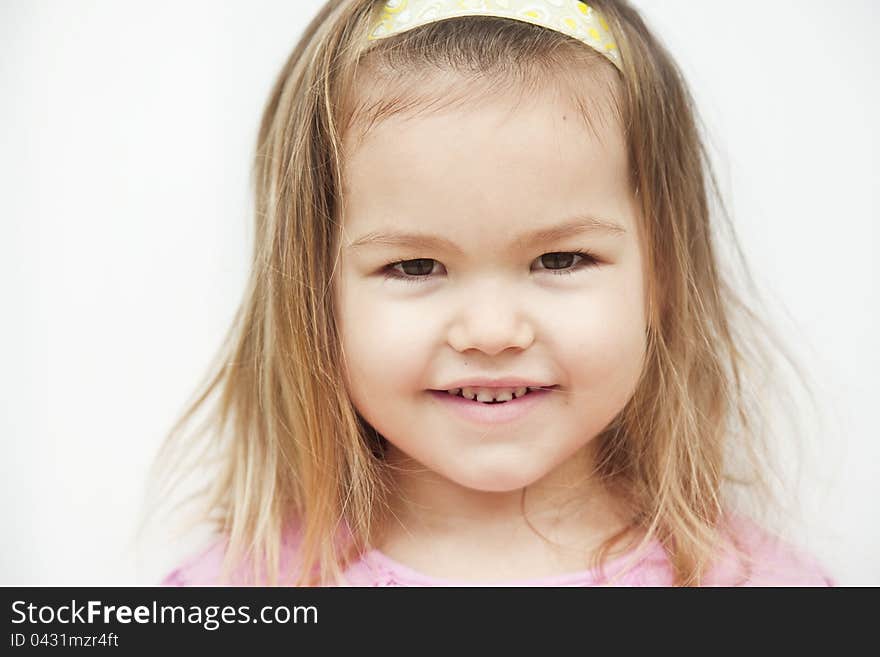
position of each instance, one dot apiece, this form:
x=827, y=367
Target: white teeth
x=486, y=396
x=489, y=394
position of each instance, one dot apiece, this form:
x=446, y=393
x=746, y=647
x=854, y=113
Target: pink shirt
x=776, y=563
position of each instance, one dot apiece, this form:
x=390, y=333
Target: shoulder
x=200, y=569
x=205, y=566
x=764, y=559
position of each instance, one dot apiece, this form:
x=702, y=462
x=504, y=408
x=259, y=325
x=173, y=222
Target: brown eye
x=562, y=263
x=558, y=260
x=419, y=267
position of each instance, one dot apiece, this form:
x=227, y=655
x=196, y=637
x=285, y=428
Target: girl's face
x=485, y=296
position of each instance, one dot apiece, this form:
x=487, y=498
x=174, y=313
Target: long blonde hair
x=287, y=444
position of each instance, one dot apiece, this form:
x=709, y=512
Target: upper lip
x=506, y=382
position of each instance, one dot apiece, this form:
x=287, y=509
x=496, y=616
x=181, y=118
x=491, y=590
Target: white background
x=124, y=238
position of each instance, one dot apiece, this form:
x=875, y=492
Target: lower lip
x=492, y=413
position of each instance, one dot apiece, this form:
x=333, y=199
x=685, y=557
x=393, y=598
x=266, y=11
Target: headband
x=571, y=17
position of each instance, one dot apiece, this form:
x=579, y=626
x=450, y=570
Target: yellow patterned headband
x=570, y=17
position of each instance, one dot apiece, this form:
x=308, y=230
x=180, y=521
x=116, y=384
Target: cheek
x=605, y=346
x=381, y=338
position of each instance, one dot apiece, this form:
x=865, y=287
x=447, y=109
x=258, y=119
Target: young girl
x=487, y=338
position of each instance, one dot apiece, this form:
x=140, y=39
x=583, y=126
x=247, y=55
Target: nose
x=491, y=320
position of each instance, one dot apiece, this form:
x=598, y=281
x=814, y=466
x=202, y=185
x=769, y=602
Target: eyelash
x=588, y=260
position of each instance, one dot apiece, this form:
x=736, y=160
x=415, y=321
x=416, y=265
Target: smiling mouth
x=460, y=395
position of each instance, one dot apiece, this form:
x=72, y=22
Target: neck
x=567, y=512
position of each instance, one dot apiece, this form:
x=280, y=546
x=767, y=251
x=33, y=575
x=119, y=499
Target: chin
x=495, y=479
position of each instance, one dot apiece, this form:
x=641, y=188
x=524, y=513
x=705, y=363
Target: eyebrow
x=569, y=228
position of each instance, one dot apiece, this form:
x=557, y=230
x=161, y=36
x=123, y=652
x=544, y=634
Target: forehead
x=458, y=151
